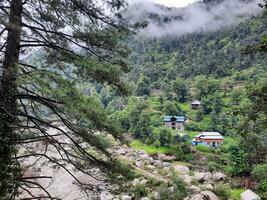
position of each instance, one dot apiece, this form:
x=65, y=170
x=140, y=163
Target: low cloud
x=199, y=17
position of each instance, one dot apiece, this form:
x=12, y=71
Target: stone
x=145, y=198
x=126, y=197
x=155, y=172
x=158, y=163
x=143, y=182
x=207, y=176
x=150, y=167
x=186, y=178
x=207, y=186
x=105, y=195
x=219, y=176
x=209, y=195
x=199, y=176
x=139, y=164
x=166, y=164
x=135, y=182
x=195, y=197
x=180, y=169
x=249, y=195
x=194, y=189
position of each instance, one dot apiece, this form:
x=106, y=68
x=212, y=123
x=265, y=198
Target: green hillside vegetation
x=169, y=73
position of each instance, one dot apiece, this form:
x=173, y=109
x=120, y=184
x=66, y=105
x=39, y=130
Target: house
x=175, y=122
x=212, y=139
x=195, y=104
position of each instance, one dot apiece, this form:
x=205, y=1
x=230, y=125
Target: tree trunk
x=9, y=171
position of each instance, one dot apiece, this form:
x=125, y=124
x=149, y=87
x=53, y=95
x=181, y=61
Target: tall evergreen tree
x=75, y=41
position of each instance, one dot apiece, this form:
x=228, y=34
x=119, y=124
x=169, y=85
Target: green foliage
x=171, y=108
x=259, y=173
x=203, y=148
x=140, y=191
x=143, y=87
x=165, y=137
x=223, y=191
x=238, y=159
x=150, y=149
x=179, y=87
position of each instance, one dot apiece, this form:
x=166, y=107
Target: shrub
x=223, y=191
x=203, y=148
x=140, y=191
x=180, y=191
x=259, y=173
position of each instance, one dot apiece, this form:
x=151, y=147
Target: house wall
x=177, y=125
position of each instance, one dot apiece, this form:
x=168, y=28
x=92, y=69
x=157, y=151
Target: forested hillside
x=216, y=68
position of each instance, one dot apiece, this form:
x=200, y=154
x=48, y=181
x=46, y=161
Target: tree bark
x=9, y=171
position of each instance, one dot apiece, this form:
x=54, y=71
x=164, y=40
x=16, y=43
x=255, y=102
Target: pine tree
x=74, y=41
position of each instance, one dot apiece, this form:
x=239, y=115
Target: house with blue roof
x=175, y=122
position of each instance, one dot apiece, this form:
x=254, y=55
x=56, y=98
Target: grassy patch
x=150, y=149
x=235, y=194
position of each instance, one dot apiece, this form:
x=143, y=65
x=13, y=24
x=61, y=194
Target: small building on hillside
x=175, y=122
x=212, y=139
x=195, y=105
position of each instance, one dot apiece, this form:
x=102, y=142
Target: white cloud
x=175, y=3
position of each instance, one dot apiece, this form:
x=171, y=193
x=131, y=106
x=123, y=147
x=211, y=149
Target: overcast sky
x=175, y=3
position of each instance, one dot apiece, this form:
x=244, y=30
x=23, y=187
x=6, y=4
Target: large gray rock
x=126, y=197
x=208, y=195
x=180, y=169
x=135, y=182
x=207, y=176
x=249, y=195
x=219, y=176
x=194, y=189
x=105, y=195
x=186, y=178
x=205, y=195
x=207, y=186
x=158, y=163
x=199, y=176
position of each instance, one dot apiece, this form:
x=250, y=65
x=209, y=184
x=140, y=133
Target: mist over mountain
x=203, y=16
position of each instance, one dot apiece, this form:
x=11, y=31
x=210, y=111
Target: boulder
x=158, y=163
x=209, y=195
x=186, y=178
x=150, y=167
x=199, y=176
x=194, y=189
x=180, y=169
x=139, y=164
x=143, y=182
x=205, y=195
x=195, y=197
x=166, y=164
x=126, y=197
x=135, y=182
x=105, y=195
x=219, y=176
x=207, y=176
x=207, y=186
x=249, y=195
x=145, y=198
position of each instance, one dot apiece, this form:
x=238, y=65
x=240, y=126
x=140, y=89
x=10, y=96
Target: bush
x=202, y=148
x=259, y=174
x=193, y=127
x=140, y=191
x=180, y=191
x=223, y=191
